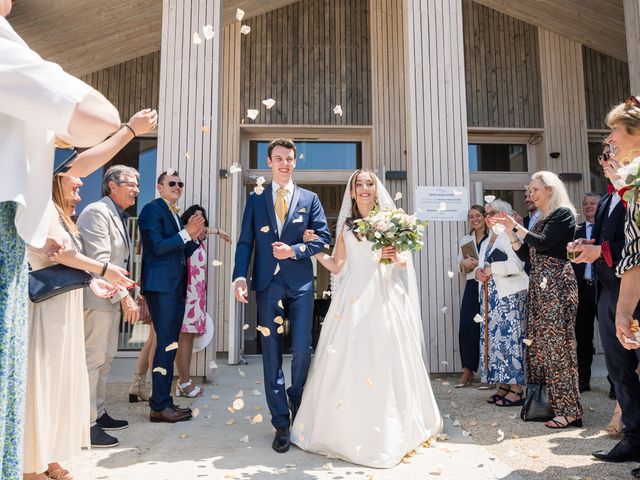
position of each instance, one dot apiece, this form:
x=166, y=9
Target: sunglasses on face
x=173, y=183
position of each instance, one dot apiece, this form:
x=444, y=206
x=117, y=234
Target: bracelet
x=104, y=269
x=129, y=127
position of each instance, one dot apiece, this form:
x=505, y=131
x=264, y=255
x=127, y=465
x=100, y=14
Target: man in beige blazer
x=103, y=227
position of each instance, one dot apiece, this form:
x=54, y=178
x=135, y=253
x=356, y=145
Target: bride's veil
x=405, y=276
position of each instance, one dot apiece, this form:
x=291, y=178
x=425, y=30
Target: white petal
x=244, y=439
x=450, y=274
x=489, y=198
x=527, y=342
x=280, y=304
x=216, y=263
x=160, y=370
x=238, y=404
x=197, y=40
x=170, y=172
x=239, y=14
x=260, y=180
x=195, y=412
x=252, y=114
x=213, y=365
x=245, y=326
x=444, y=309
x=500, y=435
x=269, y=103
x=398, y=196
x=478, y=318
x=172, y=346
x=245, y=29
x=256, y=419
x=241, y=373
x=337, y=110
x=235, y=168
x=265, y=229
x=207, y=31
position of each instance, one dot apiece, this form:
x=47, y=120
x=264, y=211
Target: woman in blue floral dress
x=501, y=272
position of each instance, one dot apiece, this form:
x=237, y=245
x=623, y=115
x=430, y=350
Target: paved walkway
x=207, y=447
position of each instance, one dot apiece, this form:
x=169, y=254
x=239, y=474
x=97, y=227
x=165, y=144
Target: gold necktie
x=281, y=204
x=174, y=209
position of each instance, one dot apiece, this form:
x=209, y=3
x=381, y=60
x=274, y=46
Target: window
x=497, y=157
x=312, y=155
x=597, y=180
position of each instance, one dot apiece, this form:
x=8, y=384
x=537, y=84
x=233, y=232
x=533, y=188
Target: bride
x=367, y=399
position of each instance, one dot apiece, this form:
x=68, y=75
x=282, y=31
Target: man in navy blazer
x=273, y=223
x=166, y=245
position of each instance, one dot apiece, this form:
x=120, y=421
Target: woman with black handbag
x=57, y=399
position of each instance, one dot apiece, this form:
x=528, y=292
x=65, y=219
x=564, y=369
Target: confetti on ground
x=160, y=370
x=514, y=416
x=244, y=439
x=532, y=454
x=188, y=155
x=256, y=393
x=444, y=362
x=489, y=198
x=239, y=14
x=240, y=394
x=245, y=29
x=397, y=196
x=171, y=346
x=327, y=466
x=478, y=318
x=269, y=103
x=456, y=423
x=183, y=436
x=195, y=412
x=527, y=342
x=338, y=110
x=241, y=373
x=216, y=263
x=450, y=274
x=436, y=471
x=215, y=397
x=500, y=435
x=208, y=32
x=465, y=433
x=229, y=422
x=197, y=40
x=256, y=419
x=231, y=410
x=252, y=113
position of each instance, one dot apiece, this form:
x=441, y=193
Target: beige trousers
x=101, y=345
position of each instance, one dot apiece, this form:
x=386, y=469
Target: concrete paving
x=208, y=447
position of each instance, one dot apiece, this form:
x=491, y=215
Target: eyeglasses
x=492, y=213
x=173, y=183
x=632, y=101
x=130, y=184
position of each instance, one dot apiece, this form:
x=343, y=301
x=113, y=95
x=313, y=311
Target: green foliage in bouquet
x=392, y=227
x=630, y=174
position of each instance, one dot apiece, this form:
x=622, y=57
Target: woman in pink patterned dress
x=195, y=313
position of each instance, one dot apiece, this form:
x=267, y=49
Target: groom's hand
x=282, y=251
x=241, y=291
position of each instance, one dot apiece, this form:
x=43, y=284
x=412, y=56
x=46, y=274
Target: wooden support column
x=436, y=103
x=188, y=123
x=632, y=27
x=565, y=115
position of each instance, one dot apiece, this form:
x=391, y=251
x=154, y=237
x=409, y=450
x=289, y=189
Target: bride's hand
x=390, y=253
x=309, y=236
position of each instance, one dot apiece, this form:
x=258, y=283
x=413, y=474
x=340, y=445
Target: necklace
x=626, y=158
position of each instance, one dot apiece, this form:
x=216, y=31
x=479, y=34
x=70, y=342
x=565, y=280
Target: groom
x=274, y=221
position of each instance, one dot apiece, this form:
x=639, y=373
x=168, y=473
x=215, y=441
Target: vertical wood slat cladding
x=438, y=156
x=130, y=86
x=632, y=30
x=188, y=100
x=501, y=69
x=388, y=92
x=606, y=81
x=308, y=56
x=565, y=111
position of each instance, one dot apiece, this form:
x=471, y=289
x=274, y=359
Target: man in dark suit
x=587, y=308
x=166, y=245
x=273, y=223
x=533, y=213
x=605, y=252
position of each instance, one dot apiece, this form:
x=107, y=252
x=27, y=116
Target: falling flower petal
x=489, y=198
x=258, y=189
x=207, y=31
x=206, y=128
x=216, y=263
x=500, y=435
x=444, y=309
x=195, y=412
x=252, y=113
x=245, y=326
x=160, y=370
x=478, y=318
x=337, y=110
x=238, y=404
x=514, y=416
x=397, y=196
x=245, y=29
x=527, y=342
x=450, y=274
x=279, y=320
x=241, y=373
x=303, y=247
x=265, y=229
x=183, y=436
x=543, y=284
x=170, y=172
x=301, y=157
x=265, y=331
x=213, y=365
x=197, y=40
x=215, y=397
x=229, y=422
x=269, y=103
x=239, y=14
x=368, y=381
x=280, y=329
x=235, y=168
x=240, y=394
x=280, y=304
x=171, y=346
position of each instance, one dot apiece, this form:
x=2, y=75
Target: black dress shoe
x=281, y=441
x=635, y=473
x=101, y=439
x=168, y=415
x=584, y=387
x=622, y=452
x=181, y=410
x=107, y=423
x=294, y=410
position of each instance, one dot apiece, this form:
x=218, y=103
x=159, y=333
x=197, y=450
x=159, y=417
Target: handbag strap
x=73, y=237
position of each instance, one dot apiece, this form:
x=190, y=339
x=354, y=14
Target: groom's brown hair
x=283, y=142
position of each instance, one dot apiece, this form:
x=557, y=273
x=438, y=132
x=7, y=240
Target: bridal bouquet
x=630, y=174
x=392, y=227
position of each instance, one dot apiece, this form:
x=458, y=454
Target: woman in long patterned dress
x=195, y=312
x=553, y=297
x=502, y=273
x=57, y=399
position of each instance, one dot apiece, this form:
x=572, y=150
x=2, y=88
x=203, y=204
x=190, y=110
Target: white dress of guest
x=368, y=399
x=57, y=402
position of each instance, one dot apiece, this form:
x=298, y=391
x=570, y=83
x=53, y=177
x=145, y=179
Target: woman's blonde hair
x=627, y=114
x=57, y=194
x=559, y=196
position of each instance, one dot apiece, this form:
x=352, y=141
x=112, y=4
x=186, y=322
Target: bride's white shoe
x=193, y=393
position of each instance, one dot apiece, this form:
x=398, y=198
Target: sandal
x=181, y=390
x=615, y=425
x=59, y=474
x=495, y=396
x=505, y=402
x=577, y=422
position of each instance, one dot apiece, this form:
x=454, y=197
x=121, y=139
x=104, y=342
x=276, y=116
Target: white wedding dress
x=368, y=399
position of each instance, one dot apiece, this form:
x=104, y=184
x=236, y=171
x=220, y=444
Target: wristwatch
x=515, y=228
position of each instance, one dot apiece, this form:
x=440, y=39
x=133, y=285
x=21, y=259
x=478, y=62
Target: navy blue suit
x=293, y=285
x=164, y=285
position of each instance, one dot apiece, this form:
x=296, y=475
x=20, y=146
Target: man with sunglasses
x=166, y=245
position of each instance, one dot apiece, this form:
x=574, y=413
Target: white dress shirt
x=182, y=232
x=37, y=100
x=588, y=228
x=615, y=200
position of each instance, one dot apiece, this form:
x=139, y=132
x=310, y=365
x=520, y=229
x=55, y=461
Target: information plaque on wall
x=446, y=204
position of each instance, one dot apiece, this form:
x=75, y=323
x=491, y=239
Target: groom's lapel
x=292, y=207
x=268, y=200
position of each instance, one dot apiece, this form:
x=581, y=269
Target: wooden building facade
x=465, y=93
